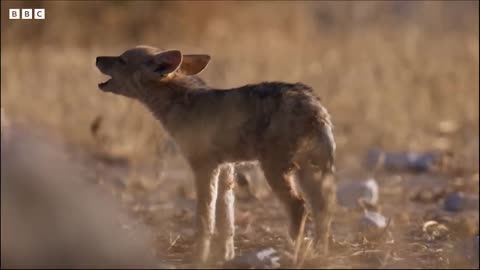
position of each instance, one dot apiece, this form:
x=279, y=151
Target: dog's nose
x=96, y=60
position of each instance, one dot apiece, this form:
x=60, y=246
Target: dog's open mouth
x=103, y=84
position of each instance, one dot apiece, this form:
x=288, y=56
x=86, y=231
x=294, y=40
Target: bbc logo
x=26, y=14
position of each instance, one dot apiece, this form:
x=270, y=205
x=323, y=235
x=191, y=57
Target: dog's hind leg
x=319, y=189
x=281, y=182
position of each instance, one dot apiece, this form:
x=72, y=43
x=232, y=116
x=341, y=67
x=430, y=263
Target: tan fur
x=281, y=125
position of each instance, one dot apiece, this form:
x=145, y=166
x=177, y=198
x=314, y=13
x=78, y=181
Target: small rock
x=350, y=194
x=402, y=161
x=373, y=224
x=459, y=201
x=434, y=230
x=447, y=126
x=263, y=259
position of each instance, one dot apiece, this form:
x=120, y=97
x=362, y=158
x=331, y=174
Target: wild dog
x=282, y=126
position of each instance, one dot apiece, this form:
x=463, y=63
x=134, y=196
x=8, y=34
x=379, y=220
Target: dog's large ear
x=167, y=62
x=193, y=64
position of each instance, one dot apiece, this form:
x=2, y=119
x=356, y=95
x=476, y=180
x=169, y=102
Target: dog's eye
x=122, y=61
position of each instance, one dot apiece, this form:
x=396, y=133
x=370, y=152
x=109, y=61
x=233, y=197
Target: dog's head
x=132, y=69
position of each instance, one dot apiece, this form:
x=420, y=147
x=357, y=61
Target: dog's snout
x=100, y=59
x=104, y=63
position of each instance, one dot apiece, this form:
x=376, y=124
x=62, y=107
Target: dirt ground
x=410, y=200
x=399, y=76
x=162, y=199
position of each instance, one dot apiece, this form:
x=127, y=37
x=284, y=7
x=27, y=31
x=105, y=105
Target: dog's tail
x=323, y=160
x=324, y=154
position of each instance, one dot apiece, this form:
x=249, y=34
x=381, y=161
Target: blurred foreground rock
x=52, y=218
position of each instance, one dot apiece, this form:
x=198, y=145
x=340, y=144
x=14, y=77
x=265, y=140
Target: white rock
x=262, y=259
x=373, y=224
x=349, y=194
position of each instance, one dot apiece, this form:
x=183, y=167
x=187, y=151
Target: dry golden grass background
x=389, y=72
x=400, y=75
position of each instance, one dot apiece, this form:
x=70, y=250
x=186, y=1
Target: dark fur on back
x=244, y=123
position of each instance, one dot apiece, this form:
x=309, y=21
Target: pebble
x=402, y=161
x=372, y=224
x=263, y=259
x=459, y=201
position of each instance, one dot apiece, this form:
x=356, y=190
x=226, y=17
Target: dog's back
x=244, y=123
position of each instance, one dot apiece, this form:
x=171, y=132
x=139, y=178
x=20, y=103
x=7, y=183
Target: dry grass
x=392, y=74
x=387, y=79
